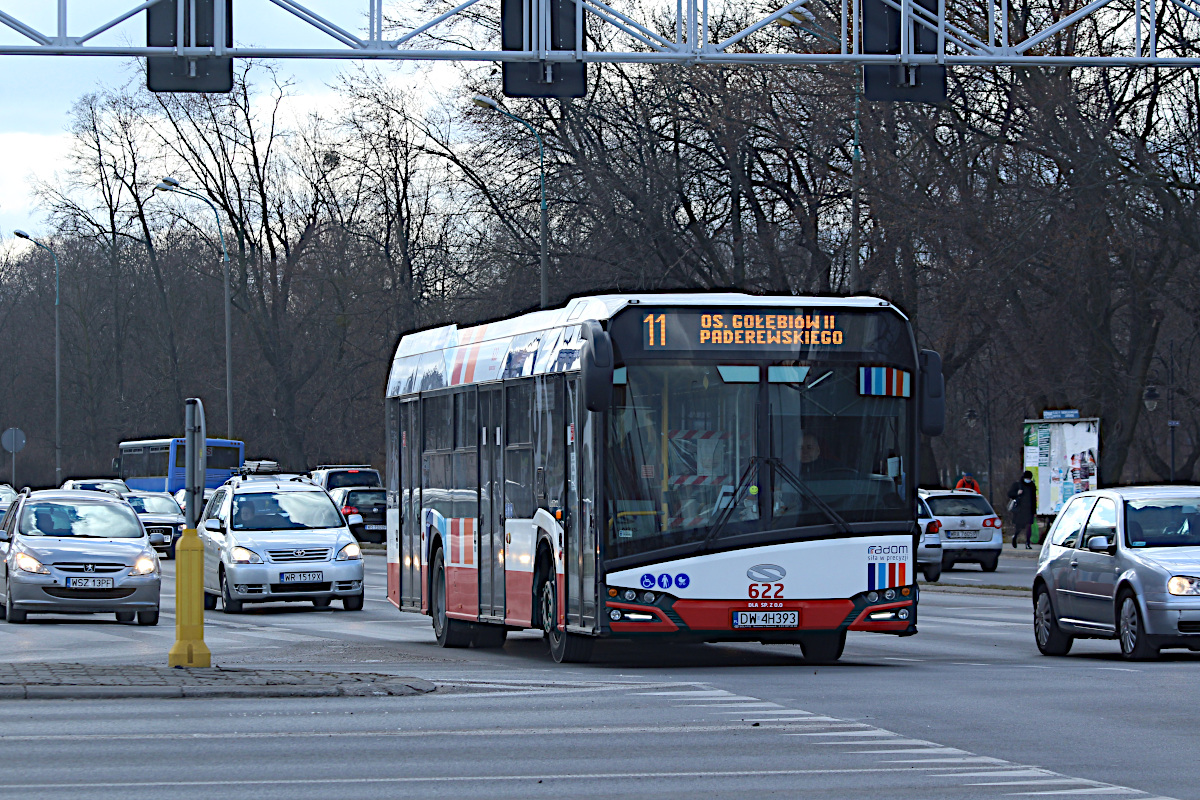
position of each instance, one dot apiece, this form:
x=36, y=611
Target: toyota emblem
x=298, y=553
x=766, y=573
x=89, y=567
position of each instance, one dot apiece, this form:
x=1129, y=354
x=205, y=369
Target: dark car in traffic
x=368, y=502
x=161, y=517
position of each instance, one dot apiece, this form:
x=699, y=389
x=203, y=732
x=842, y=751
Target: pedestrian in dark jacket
x=1024, y=507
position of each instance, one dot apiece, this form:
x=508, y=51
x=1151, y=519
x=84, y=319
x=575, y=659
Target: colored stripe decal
x=884, y=382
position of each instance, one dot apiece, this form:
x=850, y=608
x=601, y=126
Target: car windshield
x=352, y=477
x=102, y=486
x=153, y=505
x=80, y=519
x=367, y=499
x=1173, y=522
x=959, y=506
x=273, y=511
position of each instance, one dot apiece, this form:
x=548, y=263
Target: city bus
x=157, y=465
x=706, y=467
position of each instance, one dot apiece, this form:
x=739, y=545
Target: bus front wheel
x=823, y=648
x=565, y=647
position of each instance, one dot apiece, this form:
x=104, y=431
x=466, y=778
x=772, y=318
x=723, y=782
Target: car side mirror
x=1098, y=544
x=213, y=525
x=354, y=519
x=156, y=538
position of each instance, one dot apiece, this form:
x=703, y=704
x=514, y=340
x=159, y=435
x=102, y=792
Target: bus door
x=410, y=506
x=491, y=503
x=580, y=525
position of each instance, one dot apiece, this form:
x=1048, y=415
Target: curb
x=399, y=687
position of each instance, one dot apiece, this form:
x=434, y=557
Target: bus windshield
x=763, y=439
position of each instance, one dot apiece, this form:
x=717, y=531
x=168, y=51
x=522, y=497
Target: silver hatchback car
x=1122, y=564
x=77, y=552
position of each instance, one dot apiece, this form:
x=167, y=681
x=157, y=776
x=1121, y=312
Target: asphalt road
x=1012, y=571
x=967, y=708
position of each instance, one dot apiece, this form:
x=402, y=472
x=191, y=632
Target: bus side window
x=518, y=454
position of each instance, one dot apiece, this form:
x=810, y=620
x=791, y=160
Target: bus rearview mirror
x=932, y=411
x=596, y=367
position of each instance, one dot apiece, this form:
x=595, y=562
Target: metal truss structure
x=980, y=33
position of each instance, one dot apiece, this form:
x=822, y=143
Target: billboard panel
x=1064, y=457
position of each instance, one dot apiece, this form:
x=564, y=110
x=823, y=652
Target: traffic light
x=541, y=78
x=177, y=74
x=924, y=83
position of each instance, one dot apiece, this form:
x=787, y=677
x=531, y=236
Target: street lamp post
x=172, y=185
x=486, y=102
x=57, y=365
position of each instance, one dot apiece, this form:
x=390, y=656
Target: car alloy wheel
x=1135, y=642
x=1051, y=640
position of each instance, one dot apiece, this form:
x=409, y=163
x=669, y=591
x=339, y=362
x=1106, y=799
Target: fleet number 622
x=766, y=590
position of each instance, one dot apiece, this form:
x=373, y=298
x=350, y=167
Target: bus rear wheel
x=565, y=647
x=823, y=648
x=449, y=632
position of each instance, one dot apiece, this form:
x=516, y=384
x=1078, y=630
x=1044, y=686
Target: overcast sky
x=37, y=92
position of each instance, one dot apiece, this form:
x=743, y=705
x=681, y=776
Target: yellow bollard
x=189, y=649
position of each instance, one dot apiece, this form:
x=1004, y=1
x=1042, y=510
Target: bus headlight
x=614, y=614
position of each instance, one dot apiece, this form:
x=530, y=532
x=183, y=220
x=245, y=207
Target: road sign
x=13, y=440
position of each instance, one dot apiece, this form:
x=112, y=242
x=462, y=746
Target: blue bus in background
x=157, y=465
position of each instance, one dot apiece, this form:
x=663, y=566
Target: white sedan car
x=969, y=528
x=272, y=539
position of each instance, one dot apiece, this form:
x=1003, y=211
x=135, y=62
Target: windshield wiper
x=734, y=499
x=838, y=521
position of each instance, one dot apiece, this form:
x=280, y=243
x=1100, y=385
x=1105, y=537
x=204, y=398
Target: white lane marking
x=994, y=623
x=745, y=706
x=968, y=664
x=688, y=693
x=883, y=743
x=450, y=778
x=932, y=748
x=1108, y=789
x=1029, y=782
x=948, y=760
x=897, y=658
x=1117, y=669
x=871, y=732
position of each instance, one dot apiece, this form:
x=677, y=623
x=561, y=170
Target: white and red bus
x=711, y=467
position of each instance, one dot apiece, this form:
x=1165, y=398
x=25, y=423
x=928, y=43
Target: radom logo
x=766, y=573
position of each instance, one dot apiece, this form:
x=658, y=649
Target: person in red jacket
x=968, y=483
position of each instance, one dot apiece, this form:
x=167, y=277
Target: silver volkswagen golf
x=77, y=552
x=1122, y=564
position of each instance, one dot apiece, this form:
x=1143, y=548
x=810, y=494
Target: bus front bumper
x=718, y=620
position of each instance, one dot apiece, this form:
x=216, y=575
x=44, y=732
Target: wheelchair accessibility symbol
x=647, y=581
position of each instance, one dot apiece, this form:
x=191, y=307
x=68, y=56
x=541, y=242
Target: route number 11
x=651, y=321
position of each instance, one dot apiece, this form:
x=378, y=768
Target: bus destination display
x=689, y=329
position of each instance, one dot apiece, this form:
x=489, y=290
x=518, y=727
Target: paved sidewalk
x=86, y=681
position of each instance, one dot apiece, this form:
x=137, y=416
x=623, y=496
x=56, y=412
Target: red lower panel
x=660, y=625
x=424, y=589
x=717, y=615
x=462, y=592
x=393, y=584
x=862, y=623
x=518, y=595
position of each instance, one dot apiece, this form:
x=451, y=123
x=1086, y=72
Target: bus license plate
x=300, y=577
x=766, y=619
x=89, y=583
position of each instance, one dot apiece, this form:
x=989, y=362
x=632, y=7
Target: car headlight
x=145, y=565
x=241, y=555
x=1184, y=585
x=27, y=563
x=350, y=552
